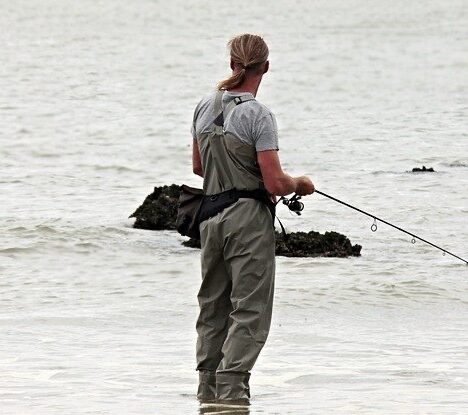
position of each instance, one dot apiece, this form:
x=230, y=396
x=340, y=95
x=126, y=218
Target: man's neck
x=249, y=85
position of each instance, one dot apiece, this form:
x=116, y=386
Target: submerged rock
x=311, y=244
x=423, y=169
x=307, y=244
x=159, y=211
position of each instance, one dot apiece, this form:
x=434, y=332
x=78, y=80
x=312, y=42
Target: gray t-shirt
x=250, y=122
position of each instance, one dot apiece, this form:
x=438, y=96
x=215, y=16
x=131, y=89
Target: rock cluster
x=159, y=211
x=423, y=169
x=307, y=244
x=311, y=244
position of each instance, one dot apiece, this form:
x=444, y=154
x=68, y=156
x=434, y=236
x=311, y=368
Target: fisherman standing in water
x=235, y=147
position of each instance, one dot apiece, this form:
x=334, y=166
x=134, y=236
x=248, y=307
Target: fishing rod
x=296, y=206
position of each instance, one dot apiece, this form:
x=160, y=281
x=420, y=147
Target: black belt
x=216, y=203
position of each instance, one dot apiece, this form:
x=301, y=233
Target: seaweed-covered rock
x=311, y=244
x=159, y=209
x=159, y=212
x=307, y=244
x=423, y=169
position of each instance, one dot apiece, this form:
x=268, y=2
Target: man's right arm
x=276, y=181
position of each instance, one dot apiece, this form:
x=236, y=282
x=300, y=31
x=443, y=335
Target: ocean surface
x=96, y=104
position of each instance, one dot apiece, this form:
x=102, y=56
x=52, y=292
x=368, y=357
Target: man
x=235, y=148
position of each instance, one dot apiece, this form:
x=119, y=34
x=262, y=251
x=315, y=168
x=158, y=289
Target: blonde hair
x=248, y=52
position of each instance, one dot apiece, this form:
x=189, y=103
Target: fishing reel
x=293, y=204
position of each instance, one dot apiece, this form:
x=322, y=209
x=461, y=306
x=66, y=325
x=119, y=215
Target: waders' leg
x=215, y=306
x=206, y=386
x=250, y=257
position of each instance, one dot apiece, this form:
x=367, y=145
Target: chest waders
x=238, y=266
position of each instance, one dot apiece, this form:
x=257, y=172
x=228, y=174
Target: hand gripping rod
x=374, y=226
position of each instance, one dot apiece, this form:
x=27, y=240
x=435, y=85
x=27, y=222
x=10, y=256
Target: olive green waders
x=238, y=266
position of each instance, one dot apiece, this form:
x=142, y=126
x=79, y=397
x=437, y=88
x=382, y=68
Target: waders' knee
x=206, y=386
x=233, y=387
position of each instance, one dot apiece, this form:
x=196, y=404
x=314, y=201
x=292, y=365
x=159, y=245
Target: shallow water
x=97, y=97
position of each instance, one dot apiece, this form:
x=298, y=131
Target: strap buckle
x=238, y=100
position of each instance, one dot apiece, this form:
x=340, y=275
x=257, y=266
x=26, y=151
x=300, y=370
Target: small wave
x=116, y=230
x=46, y=155
x=15, y=250
x=50, y=114
x=37, y=230
x=456, y=163
x=411, y=289
x=11, y=181
x=87, y=245
x=46, y=229
x=112, y=167
x=18, y=229
x=379, y=172
x=87, y=97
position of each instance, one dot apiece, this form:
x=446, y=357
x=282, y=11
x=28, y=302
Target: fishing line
x=296, y=206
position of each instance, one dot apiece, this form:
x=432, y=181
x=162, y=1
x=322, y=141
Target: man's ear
x=232, y=64
x=266, y=67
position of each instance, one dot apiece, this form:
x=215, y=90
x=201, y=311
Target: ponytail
x=236, y=79
x=248, y=52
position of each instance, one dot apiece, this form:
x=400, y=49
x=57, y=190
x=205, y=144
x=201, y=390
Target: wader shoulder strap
x=218, y=105
x=221, y=114
x=220, y=157
x=235, y=102
x=218, y=109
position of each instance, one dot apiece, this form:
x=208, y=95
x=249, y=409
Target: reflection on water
x=223, y=409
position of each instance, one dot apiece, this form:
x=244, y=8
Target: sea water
x=96, y=104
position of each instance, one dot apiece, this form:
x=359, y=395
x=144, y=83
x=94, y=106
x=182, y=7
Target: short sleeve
x=196, y=113
x=192, y=131
x=193, y=127
x=266, y=133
